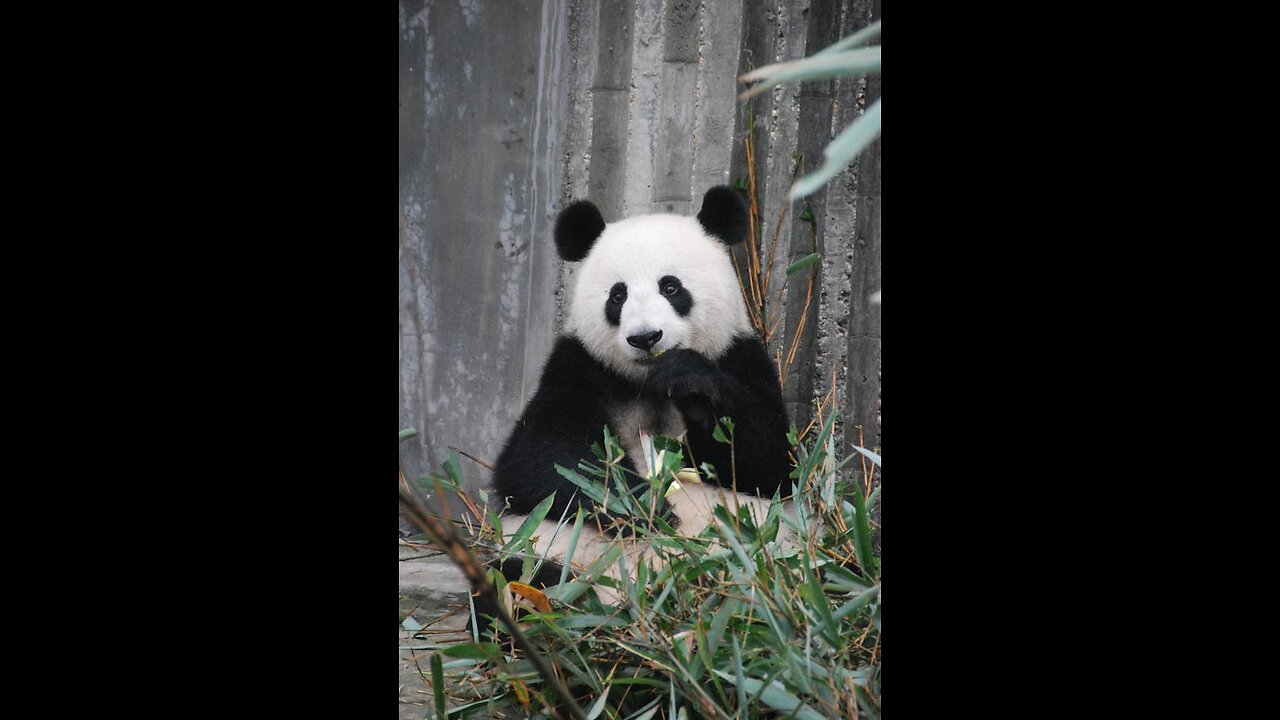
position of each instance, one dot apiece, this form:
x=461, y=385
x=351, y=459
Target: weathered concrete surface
x=481, y=98
x=839, y=329
x=860, y=190
x=510, y=109
x=430, y=587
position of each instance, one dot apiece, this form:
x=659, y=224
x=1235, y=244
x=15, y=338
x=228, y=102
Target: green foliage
x=803, y=263
x=723, y=432
x=437, y=685
x=450, y=480
x=520, y=540
x=770, y=618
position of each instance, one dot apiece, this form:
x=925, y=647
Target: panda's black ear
x=724, y=215
x=577, y=229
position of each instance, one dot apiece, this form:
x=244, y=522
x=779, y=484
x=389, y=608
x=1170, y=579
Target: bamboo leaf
x=775, y=696
x=407, y=433
x=648, y=682
x=843, y=63
x=474, y=651
x=647, y=714
x=657, y=604
x=796, y=670
x=803, y=263
x=819, y=604
x=703, y=661
x=590, y=489
x=529, y=525
x=492, y=704
x=718, y=624
x=647, y=655
x=577, y=621
x=569, y=592
x=866, y=34
x=845, y=580
x=840, y=152
x=743, y=574
x=598, y=705
x=740, y=681
x=573, y=545
x=875, y=495
x=719, y=435
x=862, y=532
x=873, y=456
x=857, y=602
x=437, y=684
x=453, y=470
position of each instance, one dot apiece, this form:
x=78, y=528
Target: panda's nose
x=645, y=341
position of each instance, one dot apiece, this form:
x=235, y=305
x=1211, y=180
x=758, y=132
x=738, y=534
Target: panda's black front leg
x=692, y=381
x=742, y=386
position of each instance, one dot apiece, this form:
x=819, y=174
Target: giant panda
x=657, y=341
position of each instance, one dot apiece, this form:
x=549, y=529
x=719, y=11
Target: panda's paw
x=684, y=374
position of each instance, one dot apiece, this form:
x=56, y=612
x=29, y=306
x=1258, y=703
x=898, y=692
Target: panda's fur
x=657, y=342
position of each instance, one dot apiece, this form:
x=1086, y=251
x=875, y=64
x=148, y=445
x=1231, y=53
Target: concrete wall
x=509, y=109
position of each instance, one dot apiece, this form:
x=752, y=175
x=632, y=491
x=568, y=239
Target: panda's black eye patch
x=613, y=306
x=676, y=294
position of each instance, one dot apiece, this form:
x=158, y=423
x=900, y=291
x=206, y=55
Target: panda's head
x=654, y=283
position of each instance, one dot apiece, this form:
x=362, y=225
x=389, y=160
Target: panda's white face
x=651, y=284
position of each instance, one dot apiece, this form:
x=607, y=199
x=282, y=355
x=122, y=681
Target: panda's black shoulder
x=747, y=357
x=570, y=363
x=571, y=368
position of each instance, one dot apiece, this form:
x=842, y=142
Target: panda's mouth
x=652, y=357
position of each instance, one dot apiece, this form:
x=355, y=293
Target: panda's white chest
x=637, y=422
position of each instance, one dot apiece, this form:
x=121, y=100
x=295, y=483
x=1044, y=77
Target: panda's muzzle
x=645, y=341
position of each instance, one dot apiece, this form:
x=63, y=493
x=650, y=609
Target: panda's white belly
x=637, y=422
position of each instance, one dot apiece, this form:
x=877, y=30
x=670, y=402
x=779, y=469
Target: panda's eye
x=670, y=288
x=617, y=298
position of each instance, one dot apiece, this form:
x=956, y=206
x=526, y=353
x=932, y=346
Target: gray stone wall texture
x=510, y=109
